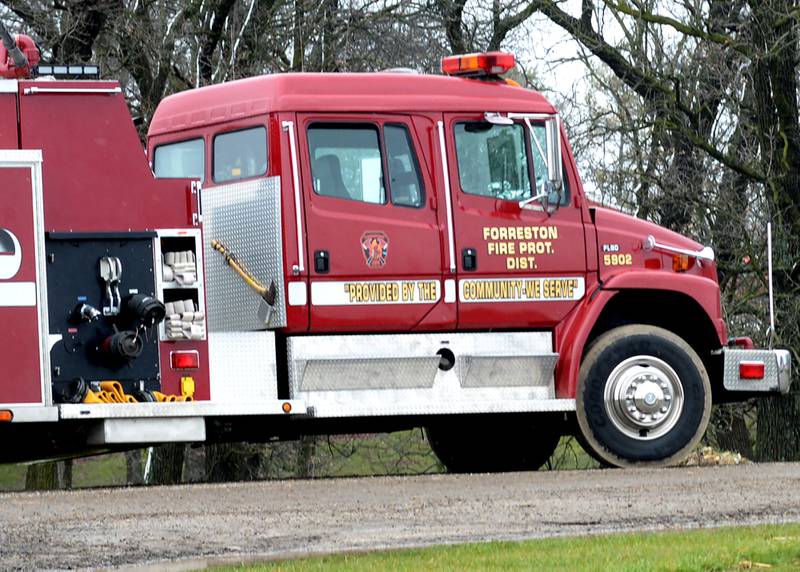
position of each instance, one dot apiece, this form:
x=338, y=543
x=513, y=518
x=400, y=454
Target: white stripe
x=297, y=294
x=449, y=291
x=375, y=292
x=8, y=86
x=520, y=289
x=16, y=294
x=57, y=90
x=451, y=248
x=289, y=127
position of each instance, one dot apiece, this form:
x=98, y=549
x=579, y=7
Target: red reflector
x=6, y=415
x=653, y=263
x=491, y=63
x=185, y=359
x=751, y=370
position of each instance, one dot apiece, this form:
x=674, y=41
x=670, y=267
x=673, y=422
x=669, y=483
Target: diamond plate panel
x=242, y=367
x=509, y=371
x=245, y=217
x=390, y=373
x=777, y=365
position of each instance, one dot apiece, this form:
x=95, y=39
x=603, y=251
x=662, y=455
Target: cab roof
x=384, y=92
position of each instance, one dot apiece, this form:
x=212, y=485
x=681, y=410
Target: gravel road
x=190, y=526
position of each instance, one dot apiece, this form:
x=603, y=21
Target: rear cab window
x=351, y=161
x=346, y=162
x=180, y=160
x=240, y=154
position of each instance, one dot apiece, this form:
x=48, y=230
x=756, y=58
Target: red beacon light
x=478, y=65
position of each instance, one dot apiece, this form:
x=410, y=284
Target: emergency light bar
x=71, y=71
x=475, y=65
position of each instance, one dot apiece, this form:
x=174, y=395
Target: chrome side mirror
x=553, y=134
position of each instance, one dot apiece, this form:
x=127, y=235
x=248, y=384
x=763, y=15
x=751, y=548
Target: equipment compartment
x=103, y=311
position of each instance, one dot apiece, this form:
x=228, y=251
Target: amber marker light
x=6, y=416
x=287, y=407
x=680, y=263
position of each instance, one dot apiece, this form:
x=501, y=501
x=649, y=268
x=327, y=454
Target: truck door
x=22, y=337
x=519, y=265
x=374, y=246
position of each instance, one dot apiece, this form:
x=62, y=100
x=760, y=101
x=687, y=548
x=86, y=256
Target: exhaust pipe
x=20, y=60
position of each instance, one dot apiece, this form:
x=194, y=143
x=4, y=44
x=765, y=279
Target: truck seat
x=328, y=173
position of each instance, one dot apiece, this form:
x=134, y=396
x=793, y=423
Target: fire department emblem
x=10, y=254
x=375, y=246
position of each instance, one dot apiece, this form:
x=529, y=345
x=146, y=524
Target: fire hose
x=79, y=391
x=266, y=293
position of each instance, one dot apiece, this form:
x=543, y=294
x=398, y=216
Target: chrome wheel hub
x=643, y=397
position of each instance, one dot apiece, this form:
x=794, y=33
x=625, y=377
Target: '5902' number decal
x=617, y=259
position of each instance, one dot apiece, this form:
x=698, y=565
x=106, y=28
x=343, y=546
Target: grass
x=402, y=453
x=772, y=547
x=97, y=471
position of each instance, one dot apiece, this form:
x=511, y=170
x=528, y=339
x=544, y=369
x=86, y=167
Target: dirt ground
x=191, y=526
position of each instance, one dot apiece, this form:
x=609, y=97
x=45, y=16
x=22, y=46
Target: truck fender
x=572, y=334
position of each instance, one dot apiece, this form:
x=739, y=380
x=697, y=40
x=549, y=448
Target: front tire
x=644, y=398
x=494, y=443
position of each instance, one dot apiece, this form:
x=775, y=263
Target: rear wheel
x=643, y=397
x=493, y=444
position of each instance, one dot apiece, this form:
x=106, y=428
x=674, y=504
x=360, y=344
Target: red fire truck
x=328, y=253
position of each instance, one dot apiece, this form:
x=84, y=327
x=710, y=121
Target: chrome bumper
x=777, y=370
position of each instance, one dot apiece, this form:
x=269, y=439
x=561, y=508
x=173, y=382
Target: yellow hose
x=112, y=392
x=251, y=280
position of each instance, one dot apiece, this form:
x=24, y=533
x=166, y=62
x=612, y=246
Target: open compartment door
x=23, y=336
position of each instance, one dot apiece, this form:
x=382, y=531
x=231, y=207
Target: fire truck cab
x=321, y=253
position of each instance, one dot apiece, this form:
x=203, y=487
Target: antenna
x=10, y=44
x=771, y=331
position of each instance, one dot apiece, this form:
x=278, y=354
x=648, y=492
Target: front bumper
x=777, y=370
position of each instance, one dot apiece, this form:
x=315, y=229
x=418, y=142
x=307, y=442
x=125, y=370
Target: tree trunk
x=231, y=462
x=134, y=469
x=167, y=464
x=778, y=435
x=305, y=457
x=65, y=474
x=42, y=476
x=730, y=431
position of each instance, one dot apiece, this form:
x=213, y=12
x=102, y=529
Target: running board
x=153, y=430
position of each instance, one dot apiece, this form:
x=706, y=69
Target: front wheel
x=643, y=398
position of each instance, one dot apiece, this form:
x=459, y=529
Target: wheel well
x=672, y=311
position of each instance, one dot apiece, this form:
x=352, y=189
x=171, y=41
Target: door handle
x=322, y=262
x=469, y=259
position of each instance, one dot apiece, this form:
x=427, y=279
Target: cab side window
x=184, y=159
x=404, y=179
x=346, y=162
x=240, y=154
x=493, y=160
